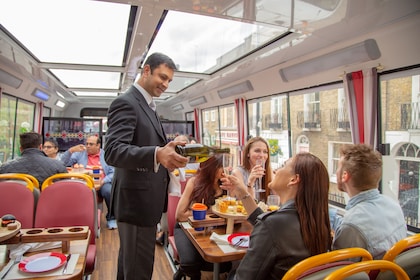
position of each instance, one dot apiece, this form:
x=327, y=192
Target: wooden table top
x=209, y=250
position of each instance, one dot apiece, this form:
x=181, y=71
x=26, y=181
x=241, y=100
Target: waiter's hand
x=169, y=158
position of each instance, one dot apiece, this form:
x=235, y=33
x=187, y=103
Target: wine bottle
x=199, y=152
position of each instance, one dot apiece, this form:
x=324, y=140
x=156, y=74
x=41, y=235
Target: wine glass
x=273, y=202
x=258, y=183
x=228, y=168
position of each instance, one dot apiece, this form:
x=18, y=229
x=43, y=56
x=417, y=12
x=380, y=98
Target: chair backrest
x=86, y=179
x=18, y=197
x=367, y=266
x=317, y=267
x=68, y=203
x=406, y=254
x=172, y=204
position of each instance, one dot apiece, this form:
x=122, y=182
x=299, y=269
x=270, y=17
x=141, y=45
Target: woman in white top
x=255, y=149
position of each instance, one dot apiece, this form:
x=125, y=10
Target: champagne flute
x=258, y=182
x=228, y=167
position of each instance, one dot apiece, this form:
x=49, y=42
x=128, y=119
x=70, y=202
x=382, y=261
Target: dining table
x=208, y=247
x=68, y=245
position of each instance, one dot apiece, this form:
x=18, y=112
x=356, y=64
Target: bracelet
x=246, y=196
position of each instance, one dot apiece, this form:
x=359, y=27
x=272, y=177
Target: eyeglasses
x=48, y=147
x=91, y=144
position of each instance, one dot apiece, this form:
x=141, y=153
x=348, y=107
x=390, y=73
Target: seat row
x=401, y=261
x=66, y=200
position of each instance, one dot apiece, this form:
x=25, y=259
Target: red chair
x=18, y=197
x=70, y=202
x=172, y=204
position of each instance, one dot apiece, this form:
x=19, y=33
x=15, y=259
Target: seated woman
x=204, y=187
x=50, y=148
x=298, y=230
x=255, y=149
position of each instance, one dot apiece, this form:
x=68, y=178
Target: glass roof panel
x=88, y=79
x=205, y=44
x=77, y=31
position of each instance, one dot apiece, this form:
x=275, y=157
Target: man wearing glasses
x=88, y=156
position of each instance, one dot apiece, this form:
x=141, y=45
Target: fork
x=16, y=261
x=239, y=242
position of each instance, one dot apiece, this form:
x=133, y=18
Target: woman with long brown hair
x=204, y=187
x=250, y=171
x=298, y=230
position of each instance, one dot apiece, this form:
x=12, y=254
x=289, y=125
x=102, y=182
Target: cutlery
x=12, y=263
x=239, y=242
x=67, y=262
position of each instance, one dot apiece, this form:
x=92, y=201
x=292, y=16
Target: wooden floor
x=107, y=246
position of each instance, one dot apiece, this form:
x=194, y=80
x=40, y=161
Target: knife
x=67, y=262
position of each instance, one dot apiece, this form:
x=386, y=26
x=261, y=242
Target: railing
x=410, y=116
x=309, y=119
x=339, y=119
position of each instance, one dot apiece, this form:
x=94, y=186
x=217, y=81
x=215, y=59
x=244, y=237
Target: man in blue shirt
x=372, y=221
x=89, y=156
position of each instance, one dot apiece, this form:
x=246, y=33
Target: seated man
x=33, y=160
x=93, y=155
x=372, y=221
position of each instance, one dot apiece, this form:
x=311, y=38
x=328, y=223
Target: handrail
x=366, y=266
x=325, y=258
x=50, y=180
x=34, y=180
x=18, y=176
x=400, y=246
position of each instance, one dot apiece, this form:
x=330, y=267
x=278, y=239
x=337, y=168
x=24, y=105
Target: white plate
x=42, y=262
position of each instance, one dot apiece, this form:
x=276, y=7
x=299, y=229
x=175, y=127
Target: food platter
x=6, y=233
x=230, y=217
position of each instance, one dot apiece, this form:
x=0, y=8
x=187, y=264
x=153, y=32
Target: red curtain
x=361, y=89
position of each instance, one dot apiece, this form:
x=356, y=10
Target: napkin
x=222, y=242
x=220, y=238
x=20, y=249
x=174, y=187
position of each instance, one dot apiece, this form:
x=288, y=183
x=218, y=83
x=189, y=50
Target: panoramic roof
x=96, y=48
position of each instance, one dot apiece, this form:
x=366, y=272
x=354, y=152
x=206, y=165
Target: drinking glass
x=258, y=183
x=273, y=202
x=227, y=168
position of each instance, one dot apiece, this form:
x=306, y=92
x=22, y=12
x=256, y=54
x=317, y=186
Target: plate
x=234, y=238
x=42, y=262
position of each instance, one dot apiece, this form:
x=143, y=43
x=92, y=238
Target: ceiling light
x=197, y=101
x=9, y=79
x=60, y=104
x=361, y=52
x=236, y=89
x=41, y=95
x=177, y=107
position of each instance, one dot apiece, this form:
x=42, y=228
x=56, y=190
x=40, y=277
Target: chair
x=70, y=202
x=366, y=266
x=18, y=197
x=317, y=267
x=406, y=254
x=172, y=204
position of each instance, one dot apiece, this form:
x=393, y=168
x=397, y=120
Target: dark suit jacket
x=138, y=195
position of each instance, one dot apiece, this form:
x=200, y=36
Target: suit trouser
x=137, y=252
